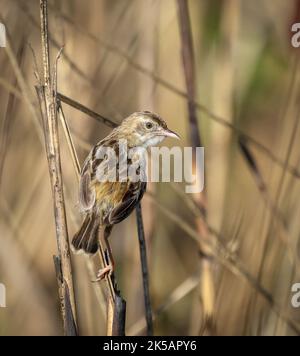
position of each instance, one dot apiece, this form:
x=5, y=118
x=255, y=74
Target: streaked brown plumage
x=106, y=203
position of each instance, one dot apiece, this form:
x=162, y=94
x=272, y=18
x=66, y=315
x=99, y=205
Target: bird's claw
x=104, y=272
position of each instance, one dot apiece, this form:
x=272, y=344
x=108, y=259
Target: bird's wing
x=93, y=168
x=130, y=200
x=87, y=195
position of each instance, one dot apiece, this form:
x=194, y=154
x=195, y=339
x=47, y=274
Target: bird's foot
x=104, y=272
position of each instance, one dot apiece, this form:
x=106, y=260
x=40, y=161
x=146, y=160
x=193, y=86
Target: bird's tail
x=86, y=239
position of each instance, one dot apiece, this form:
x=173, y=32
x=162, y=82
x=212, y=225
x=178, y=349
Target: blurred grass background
x=247, y=73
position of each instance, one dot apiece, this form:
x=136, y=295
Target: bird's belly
x=109, y=195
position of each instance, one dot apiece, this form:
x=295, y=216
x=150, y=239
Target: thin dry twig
x=76, y=105
x=70, y=142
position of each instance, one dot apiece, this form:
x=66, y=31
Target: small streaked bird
x=106, y=203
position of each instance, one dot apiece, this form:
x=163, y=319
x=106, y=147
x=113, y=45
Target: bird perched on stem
x=107, y=196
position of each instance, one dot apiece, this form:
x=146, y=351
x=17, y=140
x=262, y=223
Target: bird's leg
x=110, y=256
x=107, y=254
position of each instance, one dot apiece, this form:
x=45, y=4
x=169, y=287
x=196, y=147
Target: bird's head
x=145, y=129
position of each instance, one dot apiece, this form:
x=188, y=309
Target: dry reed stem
x=206, y=284
x=62, y=261
x=145, y=273
x=49, y=115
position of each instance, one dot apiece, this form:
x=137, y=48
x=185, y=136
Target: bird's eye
x=149, y=125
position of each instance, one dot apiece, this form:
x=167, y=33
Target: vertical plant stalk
x=145, y=274
x=206, y=287
x=49, y=114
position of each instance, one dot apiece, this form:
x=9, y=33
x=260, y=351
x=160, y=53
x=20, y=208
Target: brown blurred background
x=247, y=73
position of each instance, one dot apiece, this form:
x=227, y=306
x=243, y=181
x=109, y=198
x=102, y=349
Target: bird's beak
x=169, y=133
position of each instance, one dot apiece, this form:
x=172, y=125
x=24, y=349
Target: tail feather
x=86, y=239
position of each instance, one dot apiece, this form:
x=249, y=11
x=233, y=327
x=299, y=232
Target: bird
x=106, y=202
